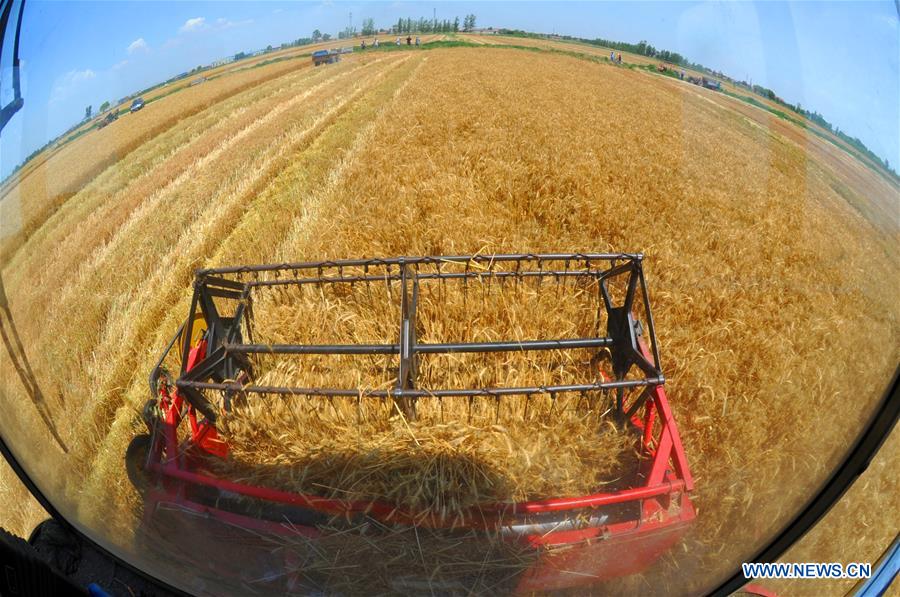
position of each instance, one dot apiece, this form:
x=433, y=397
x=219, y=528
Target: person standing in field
x=417, y=41
x=398, y=41
x=612, y=56
x=376, y=42
x=363, y=44
x=408, y=40
x=620, y=57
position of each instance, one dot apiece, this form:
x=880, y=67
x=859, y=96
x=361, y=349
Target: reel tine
x=466, y=284
x=368, y=282
x=483, y=290
x=540, y=276
x=387, y=281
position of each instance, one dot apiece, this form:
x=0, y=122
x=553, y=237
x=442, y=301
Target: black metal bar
x=211, y=281
x=222, y=293
x=10, y=109
x=636, y=406
x=632, y=286
x=443, y=348
x=154, y=373
x=406, y=376
x=649, y=315
x=431, y=259
x=418, y=393
x=513, y=346
x=188, y=330
x=425, y=276
x=205, y=368
x=333, y=349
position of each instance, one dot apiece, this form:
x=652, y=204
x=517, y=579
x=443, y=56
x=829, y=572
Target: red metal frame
x=602, y=551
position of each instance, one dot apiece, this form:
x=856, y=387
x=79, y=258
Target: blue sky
x=838, y=58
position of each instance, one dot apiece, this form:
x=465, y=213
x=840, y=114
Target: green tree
x=317, y=35
x=104, y=106
x=87, y=112
x=368, y=27
x=455, y=24
x=326, y=36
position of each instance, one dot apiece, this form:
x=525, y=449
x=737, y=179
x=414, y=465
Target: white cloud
x=195, y=24
x=138, y=45
x=67, y=84
x=888, y=20
x=120, y=65
x=227, y=24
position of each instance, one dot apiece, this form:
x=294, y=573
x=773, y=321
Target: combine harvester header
x=605, y=534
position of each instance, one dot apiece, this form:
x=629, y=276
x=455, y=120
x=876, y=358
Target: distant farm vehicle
x=706, y=82
x=197, y=81
x=325, y=57
x=137, y=104
x=108, y=119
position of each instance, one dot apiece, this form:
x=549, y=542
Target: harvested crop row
x=94, y=307
x=95, y=213
x=41, y=193
x=85, y=241
x=315, y=162
x=253, y=156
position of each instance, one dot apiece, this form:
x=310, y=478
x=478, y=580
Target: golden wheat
x=755, y=260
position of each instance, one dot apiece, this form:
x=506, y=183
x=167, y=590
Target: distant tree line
x=423, y=25
x=817, y=118
x=404, y=26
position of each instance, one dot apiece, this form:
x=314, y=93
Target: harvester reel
x=620, y=531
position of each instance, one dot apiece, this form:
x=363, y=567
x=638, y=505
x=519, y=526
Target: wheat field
x=772, y=255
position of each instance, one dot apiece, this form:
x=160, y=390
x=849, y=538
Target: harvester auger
x=601, y=535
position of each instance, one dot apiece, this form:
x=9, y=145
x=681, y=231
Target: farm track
x=752, y=261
